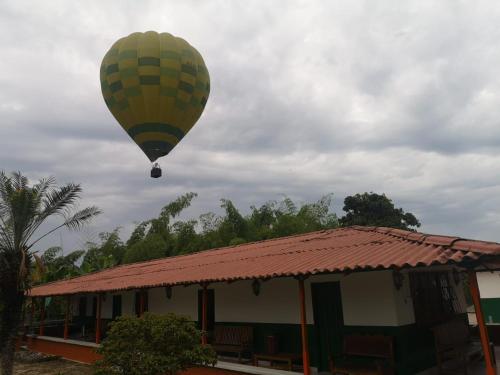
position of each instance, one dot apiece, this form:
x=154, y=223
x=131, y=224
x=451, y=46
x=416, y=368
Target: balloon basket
x=156, y=171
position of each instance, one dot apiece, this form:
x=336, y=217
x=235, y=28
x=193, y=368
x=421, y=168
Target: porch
x=287, y=317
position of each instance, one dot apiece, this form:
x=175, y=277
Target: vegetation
x=152, y=345
x=165, y=236
x=23, y=209
x=377, y=210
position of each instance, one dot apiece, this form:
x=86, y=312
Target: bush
x=152, y=345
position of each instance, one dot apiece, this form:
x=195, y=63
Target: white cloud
x=307, y=99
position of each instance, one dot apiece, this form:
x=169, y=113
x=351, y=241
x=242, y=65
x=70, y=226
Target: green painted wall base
x=414, y=346
x=491, y=309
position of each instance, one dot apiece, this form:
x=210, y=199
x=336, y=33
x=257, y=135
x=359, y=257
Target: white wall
x=368, y=299
x=107, y=306
x=403, y=301
x=128, y=302
x=184, y=301
x=489, y=284
x=278, y=302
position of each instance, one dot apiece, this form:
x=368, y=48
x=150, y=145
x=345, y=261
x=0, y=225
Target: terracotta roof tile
x=338, y=250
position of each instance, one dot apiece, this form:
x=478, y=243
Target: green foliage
x=152, y=345
x=376, y=210
x=232, y=225
x=138, y=234
x=153, y=246
x=54, y=265
x=162, y=236
x=108, y=253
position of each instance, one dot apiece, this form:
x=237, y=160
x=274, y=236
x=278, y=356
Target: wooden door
x=328, y=320
x=210, y=308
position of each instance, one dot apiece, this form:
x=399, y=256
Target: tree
x=233, y=226
x=163, y=237
x=108, y=253
x=152, y=345
x=23, y=209
x=376, y=210
x=153, y=246
x=310, y=217
x=54, y=265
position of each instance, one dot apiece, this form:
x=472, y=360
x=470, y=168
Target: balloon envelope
x=156, y=86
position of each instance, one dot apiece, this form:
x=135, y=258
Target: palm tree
x=23, y=209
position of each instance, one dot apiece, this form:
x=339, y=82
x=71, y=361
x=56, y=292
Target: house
x=304, y=294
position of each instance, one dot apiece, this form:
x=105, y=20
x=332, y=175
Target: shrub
x=152, y=345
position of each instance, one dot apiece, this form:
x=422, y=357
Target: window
x=94, y=307
x=434, y=298
x=117, y=306
x=82, y=307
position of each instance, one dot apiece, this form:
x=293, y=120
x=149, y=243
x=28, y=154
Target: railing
x=78, y=328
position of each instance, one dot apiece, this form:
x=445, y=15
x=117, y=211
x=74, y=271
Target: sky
x=307, y=98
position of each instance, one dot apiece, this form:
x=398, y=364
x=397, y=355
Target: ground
x=53, y=367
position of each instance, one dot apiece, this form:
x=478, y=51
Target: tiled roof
x=328, y=251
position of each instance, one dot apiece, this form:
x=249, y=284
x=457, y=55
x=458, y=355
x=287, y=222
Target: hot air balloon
x=156, y=86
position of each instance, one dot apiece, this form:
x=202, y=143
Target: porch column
x=303, y=328
x=32, y=317
x=98, y=320
x=204, y=339
x=66, y=319
x=41, y=330
x=483, y=331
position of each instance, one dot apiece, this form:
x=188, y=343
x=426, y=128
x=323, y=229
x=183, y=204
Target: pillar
x=98, y=319
x=483, y=331
x=303, y=328
x=66, y=319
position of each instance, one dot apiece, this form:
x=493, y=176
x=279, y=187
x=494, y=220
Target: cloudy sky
x=307, y=98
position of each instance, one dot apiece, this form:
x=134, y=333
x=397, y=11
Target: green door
x=328, y=321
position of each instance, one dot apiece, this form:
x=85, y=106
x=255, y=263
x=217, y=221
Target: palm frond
x=40, y=190
x=58, y=200
x=19, y=181
x=74, y=222
x=77, y=220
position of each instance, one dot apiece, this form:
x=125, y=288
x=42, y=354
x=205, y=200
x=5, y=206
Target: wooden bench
x=454, y=348
x=287, y=358
x=233, y=339
x=365, y=355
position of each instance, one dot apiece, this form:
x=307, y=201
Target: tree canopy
x=376, y=210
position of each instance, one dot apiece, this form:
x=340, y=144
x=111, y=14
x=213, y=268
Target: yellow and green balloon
x=156, y=86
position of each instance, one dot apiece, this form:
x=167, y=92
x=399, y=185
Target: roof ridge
x=448, y=242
